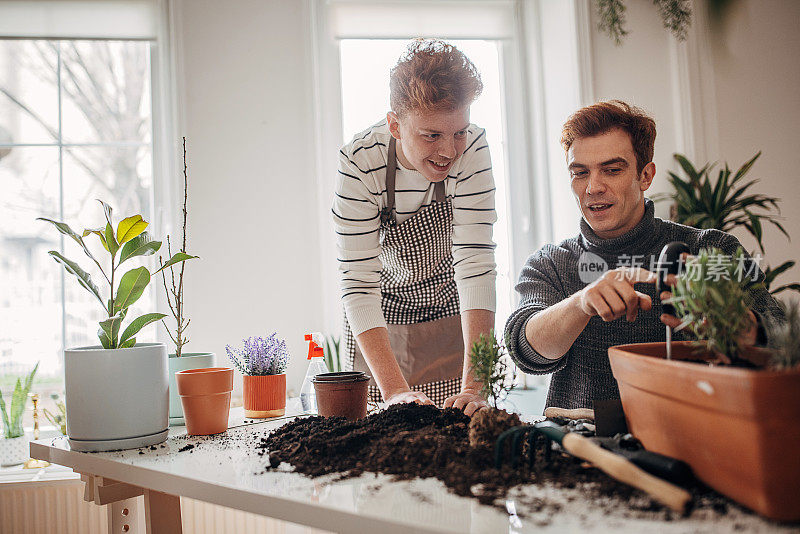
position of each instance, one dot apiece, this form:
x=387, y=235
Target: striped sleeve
x=356, y=220
x=473, y=218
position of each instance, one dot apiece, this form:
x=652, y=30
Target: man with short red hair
x=597, y=289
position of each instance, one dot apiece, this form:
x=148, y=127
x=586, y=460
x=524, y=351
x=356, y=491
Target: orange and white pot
x=206, y=398
x=264, y=396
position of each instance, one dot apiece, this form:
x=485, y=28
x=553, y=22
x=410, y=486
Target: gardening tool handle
x=621, y=469
x=669, y=262
x=551, y=412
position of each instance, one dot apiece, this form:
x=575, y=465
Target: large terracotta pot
x=206, y=398
x=264, y=396
x=738, y=429
x=343, y=393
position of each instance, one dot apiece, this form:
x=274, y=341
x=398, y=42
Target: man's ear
x=394, y=124
x=646, y=178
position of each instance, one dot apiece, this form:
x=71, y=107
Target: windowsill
x=11, y=476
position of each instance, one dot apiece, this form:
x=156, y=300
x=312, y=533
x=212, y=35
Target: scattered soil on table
x=411, y=440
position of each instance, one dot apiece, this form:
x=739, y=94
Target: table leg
x=162, y=512
x=123, y=516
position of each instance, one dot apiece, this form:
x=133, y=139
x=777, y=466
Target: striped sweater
x=361, y=195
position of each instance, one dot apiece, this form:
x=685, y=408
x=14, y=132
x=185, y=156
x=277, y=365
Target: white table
x=226, y=470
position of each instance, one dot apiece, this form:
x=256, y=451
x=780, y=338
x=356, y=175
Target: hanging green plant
x=675, y=14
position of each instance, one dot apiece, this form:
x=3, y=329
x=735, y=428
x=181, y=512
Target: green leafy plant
x=129, y=241
x=58, y=419
x=332, y=357
x=712, y=298
x=12, y=415
x=174, y=291
x=725, y=204
x=785, y=338
x=675, y=14
x=491, y=368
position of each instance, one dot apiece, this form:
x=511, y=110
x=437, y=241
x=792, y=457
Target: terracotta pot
x=206, y=399
x=188, y=360
x=737, y=428
x=343, y=393
x=264, y=396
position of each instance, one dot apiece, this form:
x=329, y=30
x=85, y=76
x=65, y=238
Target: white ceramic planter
x=116, y=398
x=14, y=451
x=188, y=360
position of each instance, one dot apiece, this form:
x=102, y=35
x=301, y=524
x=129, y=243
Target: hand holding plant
x=129, y=241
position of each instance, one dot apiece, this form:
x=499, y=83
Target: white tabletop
x=227, y=470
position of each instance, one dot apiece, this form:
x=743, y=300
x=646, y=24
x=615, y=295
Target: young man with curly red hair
x=595, y=290
x=413, y=214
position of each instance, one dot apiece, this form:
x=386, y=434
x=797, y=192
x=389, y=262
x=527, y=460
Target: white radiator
x=57, y=507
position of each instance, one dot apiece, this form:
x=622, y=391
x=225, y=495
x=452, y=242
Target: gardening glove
x=408, y=396
x=469, y=400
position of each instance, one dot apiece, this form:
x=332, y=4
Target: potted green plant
x=262, y=362
x=725, y=409
x=117, y=393
x=173, y=288
x=14, y=445
x=725, y=204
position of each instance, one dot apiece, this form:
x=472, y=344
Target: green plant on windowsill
x=58, y=419
x=332, y=357
x=725, y=204
x=490, y=367
x=130, y=241
x=12, y=414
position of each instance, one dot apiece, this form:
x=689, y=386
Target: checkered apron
x=418, y=296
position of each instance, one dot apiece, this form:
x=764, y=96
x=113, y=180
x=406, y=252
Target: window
x=365, y=101
x=76, y=125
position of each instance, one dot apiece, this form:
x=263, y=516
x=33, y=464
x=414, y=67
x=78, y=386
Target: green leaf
x=128, y=344
x=137, y=324
x=111, y=327
x=177, y=258
x=141, y=245
x=105, y=341
x=111, y=241
x=107, y=211
x=100, y=232
x=129, y=228
x=83, y=277
x=131, y=287
x=67, y=231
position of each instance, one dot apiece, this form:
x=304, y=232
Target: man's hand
x=612, y=295
x=748, y=337
x=408, y=396
x=468, y=400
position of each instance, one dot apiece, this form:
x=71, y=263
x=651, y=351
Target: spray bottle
x=316, y=365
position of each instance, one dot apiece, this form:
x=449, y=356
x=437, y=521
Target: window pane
x=30, y=281
x=365, y=65
x=28, y=92
x=105, y=91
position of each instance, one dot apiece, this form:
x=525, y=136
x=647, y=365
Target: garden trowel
x=669, y=262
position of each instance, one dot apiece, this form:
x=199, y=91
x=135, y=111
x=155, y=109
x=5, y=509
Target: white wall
x=752, y=73
x=247, y=115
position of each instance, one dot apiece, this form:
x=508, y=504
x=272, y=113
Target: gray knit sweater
x=550, y=275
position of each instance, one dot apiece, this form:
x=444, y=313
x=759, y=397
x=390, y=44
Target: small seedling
x=491, y=368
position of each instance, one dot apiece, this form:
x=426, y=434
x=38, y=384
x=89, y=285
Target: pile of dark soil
x=411, y=440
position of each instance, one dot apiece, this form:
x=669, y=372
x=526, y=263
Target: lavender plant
x=260, y=356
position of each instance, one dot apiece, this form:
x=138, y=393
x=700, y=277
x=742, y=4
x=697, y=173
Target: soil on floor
x=411, y=440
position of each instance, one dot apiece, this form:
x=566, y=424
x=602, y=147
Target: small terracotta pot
x=737, y=428
x=206, y=399
x=264, y=396
x=343, y=393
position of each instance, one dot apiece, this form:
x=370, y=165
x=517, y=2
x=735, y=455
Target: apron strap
x=438, y=191
x=391, y=171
